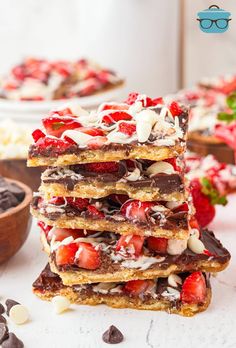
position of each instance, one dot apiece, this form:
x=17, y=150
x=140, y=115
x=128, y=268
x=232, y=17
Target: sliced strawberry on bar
x=95, y=212
x=44, y=227
x=57, y=125
x=113, y=106
x=96, y=142
x=38, y=134
x=57, y=200
x=159, y=245
x=94, y=132
x=62, y=233
x=103, y=167
x=136, y=210
x=175, y=109
x=132, y=97
x=127, y=128
x=131, y=243
x=116, y=116
x=194, y=289
x=87, y=256
x=65, y=254
x=181, y=207
x=62, y=112
x=58, y=145
x=137, y=287
x=78, y=203
x=157, y=101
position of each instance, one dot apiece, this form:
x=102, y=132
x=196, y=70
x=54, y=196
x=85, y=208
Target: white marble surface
x=83, y=326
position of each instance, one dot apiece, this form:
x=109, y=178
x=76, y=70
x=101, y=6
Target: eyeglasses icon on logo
x=214, y=20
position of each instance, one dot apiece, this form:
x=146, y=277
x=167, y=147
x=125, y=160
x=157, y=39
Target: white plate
x=33, y=111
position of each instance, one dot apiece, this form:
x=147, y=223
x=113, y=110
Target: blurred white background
x=138, y=38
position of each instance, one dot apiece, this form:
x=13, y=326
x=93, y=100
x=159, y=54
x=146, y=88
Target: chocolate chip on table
x=2, y=309
x=3, y=332
x=12, y=342
x=10, y=303
x=3, y=320
x=112, y=335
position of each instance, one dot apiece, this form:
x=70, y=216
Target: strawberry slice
x=62, y=233
x=181, y=207
x=57, y=200
x=62, y=112
x=175, y=109
x=57, y=125
x=127, y=128
x=87, y=256
x=38, y=134
x=132, y=244
x=159, y=245
x=78, y=203
x=95, y=212
x=137, y=287
x=94, y=132
x=103, y=167
x=132, y=97
x=116, y=116
x=65, y=254
x=193, y=223
x=96, y=142
x=136, y=210
x=57, y=145
x=157, y=101
x=194, y=288
x=44, y=227
x=113, y=106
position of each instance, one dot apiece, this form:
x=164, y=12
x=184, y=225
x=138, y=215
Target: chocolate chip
x=10, y=303
x=3, y=332
x=16, y=191
x=2, y=309
x=3, y=320
x=12, y=342
x=112, y=335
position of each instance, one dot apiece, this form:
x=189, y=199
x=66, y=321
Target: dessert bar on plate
x=86, y=257
x=139, y=128
x=186, y=294
x=116, y=213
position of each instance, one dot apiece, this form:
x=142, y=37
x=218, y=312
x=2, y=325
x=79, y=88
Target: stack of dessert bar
x=113, y=207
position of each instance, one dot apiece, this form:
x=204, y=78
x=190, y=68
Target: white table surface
x=82, y=326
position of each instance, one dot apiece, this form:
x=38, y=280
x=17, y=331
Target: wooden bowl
x=17, y=169
x=15, y=225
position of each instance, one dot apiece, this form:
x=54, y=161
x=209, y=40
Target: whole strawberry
x=205, y=196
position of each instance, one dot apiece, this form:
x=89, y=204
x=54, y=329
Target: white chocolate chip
x=60, y=304
x=174, y=280
x=19, y=314
x=133, y=176
x=196, y=245
x=176, y=246
x=160, y=167
x=143, y=130
x=78, y=137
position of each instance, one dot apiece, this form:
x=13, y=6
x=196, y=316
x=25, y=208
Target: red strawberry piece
x=132, y=97
x=137, y=287
x=136, y=210
x=116, y=116
x=159, y=245
x=157, y=101
x=193, y=223
x=104, y=76
x=103, y=167
x=57, y=125
x=175, y=109
x=112, y=106
x=96, y=142
x=173, y=162
x=62, y=233
x=131, y=243
x=94, y=132
x=65, y=254
x=95, y=212
x=181, y=207
x=57, y=200
x=44, y=227
x=57, y=144
x=37, y=134
x=62, y=112
x=194, y=289
x=205, y=211
x=87, y=256
x=127, y=128
x=78, y=203
x=18, y=72
x=69, y=140
x=63, y=68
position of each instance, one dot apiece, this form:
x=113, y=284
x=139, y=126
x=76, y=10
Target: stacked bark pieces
x=113, y=207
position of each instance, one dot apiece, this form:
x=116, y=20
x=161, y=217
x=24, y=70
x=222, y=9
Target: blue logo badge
x=214, y=20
